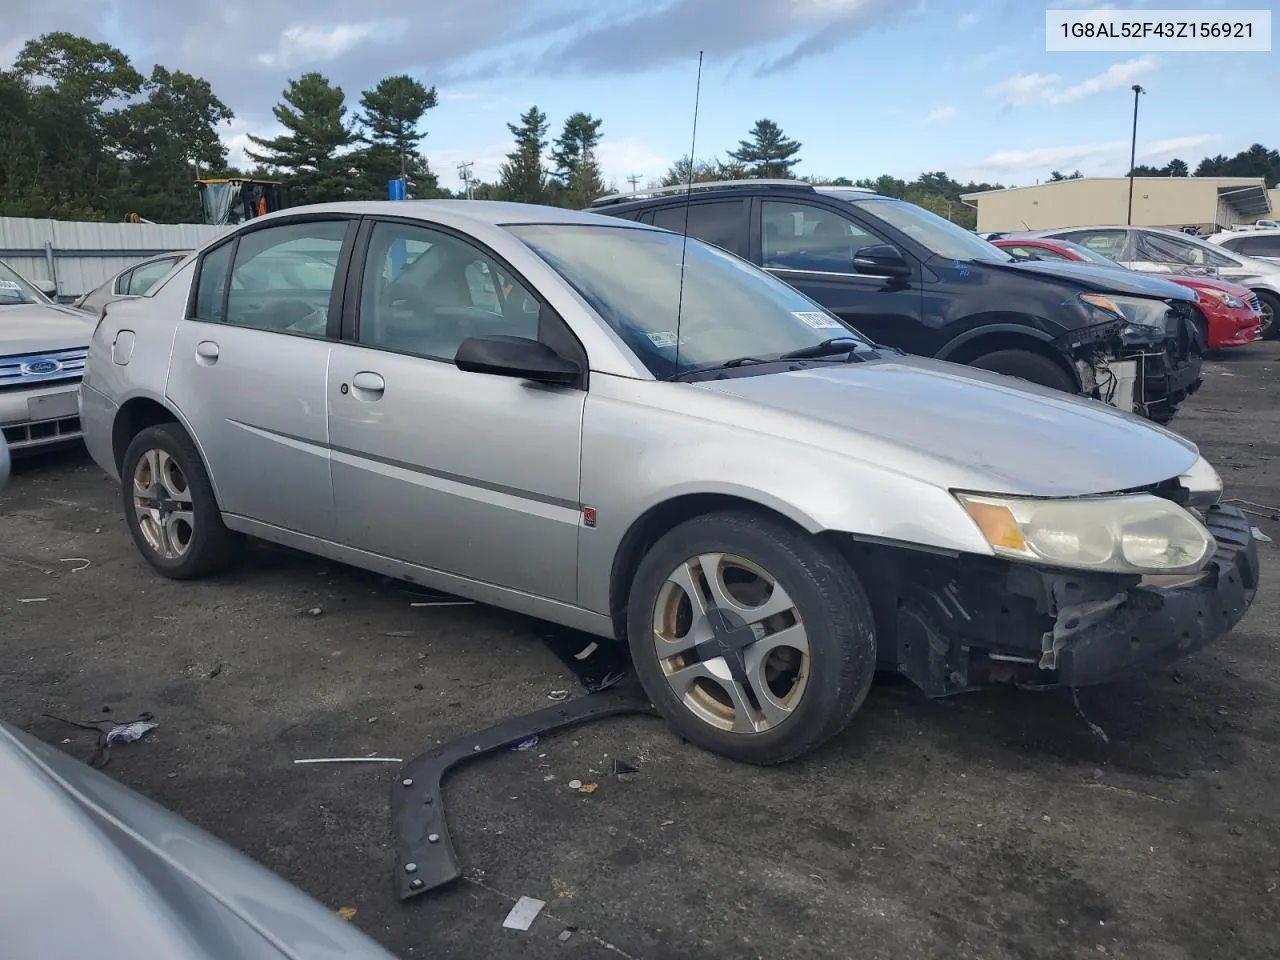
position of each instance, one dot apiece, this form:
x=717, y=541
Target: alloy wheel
x=162, y=504
x=731, y=643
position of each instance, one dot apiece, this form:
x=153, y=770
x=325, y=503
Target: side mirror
x=48, y=287
x=516, y=357
x=881, y=258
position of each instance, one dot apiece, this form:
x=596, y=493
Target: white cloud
x=941, y=115
x=451, y=96
x=301, y=44
x=1024, y=88
x=620, y=159
x=966, y=21
x=1103, y=158
x=1116, y=76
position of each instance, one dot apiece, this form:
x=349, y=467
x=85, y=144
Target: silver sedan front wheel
x=731, y=643
x=752, y=637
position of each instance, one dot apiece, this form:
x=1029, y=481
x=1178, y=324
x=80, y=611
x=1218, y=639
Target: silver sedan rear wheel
x=162, y=504
x=751, y=636
x=731, y=643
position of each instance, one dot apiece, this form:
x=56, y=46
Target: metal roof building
x=1210, y=203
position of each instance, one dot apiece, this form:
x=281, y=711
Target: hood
x=42, y=328
x=1099, y=279
x=962, y=428
x=92, y=869
x=1222, y=286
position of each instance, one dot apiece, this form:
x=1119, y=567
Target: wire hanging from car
x=688, y=200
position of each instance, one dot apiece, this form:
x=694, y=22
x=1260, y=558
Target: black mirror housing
x=518, y=357
x=882, y=258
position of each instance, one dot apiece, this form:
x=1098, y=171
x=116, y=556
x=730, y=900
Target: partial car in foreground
x=42, y=351
x=589, y=421
x=1153, y=250
x=132, y=281
x=913, y=280
x=93, y=869
x=1230, y=315
x=1261, y=244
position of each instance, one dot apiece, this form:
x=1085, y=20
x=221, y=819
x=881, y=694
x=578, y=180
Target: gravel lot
x=993, y=825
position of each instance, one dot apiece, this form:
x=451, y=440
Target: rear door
x=812, y=248
x=722, y=223
x=471, y=474
x=249, y=366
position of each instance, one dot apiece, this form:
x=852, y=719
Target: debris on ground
x=347, y=913
x=33, y=599
x=523, y=913
x=558, y=695
x=217, y=669
x=588, y=788
x=1260, y=536
x=575, y=784
x=444, y=603
x=313, y=612
x=351, y=760
x=109, y=732
x=566, y=933
x=80, y=560
x=625, y=772
x=597, y=665
x=527, y=744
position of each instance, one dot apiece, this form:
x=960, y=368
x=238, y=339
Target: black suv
x=913, y=280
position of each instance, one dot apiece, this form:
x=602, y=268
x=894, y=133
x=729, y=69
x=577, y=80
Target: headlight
x=1139, y=534
x=1142, y=317
x=1235, y=303
x=1202, y=483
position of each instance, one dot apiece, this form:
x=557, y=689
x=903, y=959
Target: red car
x=1232, y=313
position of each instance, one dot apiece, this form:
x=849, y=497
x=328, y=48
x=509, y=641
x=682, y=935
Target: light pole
x=1133, y=148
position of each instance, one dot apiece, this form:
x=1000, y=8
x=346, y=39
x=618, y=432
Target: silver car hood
x=42, y=328
x=92, y=869
x=964, y=428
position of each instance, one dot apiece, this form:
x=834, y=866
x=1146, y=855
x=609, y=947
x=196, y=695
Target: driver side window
x=425, y=291
x=798, y=236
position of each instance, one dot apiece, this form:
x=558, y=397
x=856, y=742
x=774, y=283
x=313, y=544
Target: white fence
x=79, y=256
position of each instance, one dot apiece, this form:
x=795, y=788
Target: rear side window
x=1109, y=243
x=143, y=278
x=720, y=222
x=212, y=284
x=283, y=277
x=1255, y=246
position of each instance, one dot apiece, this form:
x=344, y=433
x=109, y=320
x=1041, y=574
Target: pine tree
x=522, y=177
x=392, y=112
x=768, y=153
x=577, y=167
x=310, y=153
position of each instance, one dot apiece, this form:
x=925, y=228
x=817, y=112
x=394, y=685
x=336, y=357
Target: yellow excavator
x=235, y=200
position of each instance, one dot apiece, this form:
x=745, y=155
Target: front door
x=249, y=365
x=812, y=248
x=471, y=474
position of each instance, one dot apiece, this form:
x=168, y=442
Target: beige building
x=1210, y=203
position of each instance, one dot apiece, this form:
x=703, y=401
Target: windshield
x=13, y=289
x=632, y=278
x=939, y=236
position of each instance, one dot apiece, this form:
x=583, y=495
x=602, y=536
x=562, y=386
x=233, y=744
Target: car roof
x=701, y=189
x=1264, y=232
x=497, y=213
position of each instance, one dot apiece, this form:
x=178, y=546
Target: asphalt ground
x=992, y=825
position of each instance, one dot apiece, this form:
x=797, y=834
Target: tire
x=810, y=697
x=1271, y=314
x=1028, y=366
x=162, y=467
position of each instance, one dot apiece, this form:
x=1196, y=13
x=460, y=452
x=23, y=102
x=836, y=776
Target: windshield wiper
x=823, y=349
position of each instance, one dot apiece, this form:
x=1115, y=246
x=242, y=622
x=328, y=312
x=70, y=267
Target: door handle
x=367, y=385
x=206, y=353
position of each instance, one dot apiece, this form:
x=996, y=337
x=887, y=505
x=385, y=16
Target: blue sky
x=868, y=86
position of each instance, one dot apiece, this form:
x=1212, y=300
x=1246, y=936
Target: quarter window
x=143, y=278
x=720, y=222
x=426, y=291
x=802, y=237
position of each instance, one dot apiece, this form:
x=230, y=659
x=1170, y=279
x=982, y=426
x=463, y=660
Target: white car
x=1257, y=244
x=42, y=352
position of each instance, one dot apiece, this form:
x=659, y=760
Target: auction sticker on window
x=10, y=285
x=1157, y=31
x=819, y=321
x=663, y=338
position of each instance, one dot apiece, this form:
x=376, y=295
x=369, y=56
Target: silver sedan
x=593, y=422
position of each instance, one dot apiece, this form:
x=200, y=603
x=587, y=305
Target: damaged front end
x=1138, y=354
x=952, y=623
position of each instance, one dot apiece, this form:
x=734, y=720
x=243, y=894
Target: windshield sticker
x=662, y=338
x=819, y=321
x=10, y=285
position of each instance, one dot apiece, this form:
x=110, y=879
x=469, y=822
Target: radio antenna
x=688, y=201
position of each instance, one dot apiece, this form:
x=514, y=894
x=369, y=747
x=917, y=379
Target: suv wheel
x=1028, y=366
x=170, y=507
x=754, y=640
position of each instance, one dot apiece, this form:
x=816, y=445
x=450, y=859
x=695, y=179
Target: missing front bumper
x=959, y=625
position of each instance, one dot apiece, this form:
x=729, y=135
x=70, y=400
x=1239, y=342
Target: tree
x=392, y=113
x=522, y=177
x=1056, y=175
x=704, y=171
x=309, y=153
x=577, y=166
x=768, y=153
x=1177, y=168
x=1257, y=161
